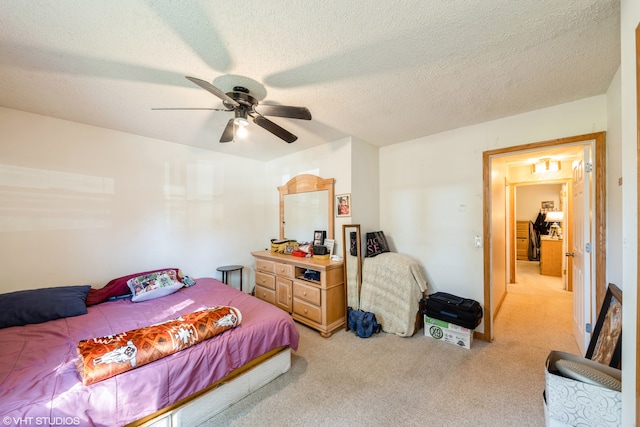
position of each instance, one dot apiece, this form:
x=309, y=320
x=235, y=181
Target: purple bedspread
x=40, y=385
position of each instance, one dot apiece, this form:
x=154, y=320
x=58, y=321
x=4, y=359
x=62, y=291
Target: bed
x=40, y=382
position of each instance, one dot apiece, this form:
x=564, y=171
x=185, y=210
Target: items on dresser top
x=320, y=250
x=283, y=246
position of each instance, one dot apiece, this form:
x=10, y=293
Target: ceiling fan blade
x=227, y=135
x=214, y=90
x=284, y=111
x=274, y=129
x=190, y=108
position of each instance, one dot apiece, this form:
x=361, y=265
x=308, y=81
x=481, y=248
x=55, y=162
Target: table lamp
x=555, y=217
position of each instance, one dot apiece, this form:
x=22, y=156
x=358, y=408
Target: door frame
x=637, y=219
x=599, y=214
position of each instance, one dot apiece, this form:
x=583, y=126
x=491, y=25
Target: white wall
x=81, y=204
x=530, y=197
x=614, y=184
x=431, y=188
x=630, y=18
x=365, y=187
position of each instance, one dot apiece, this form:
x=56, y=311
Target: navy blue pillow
x=41, y=305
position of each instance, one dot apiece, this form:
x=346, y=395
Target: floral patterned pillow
x=154, y=285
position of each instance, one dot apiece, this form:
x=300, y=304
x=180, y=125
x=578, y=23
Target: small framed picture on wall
x=343, y=205
x=547, y=205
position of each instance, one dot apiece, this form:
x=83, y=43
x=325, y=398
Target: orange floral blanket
x=104, y=357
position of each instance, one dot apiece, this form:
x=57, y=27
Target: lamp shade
x=554, y=216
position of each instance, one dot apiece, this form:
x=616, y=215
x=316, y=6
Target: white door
x=582, y=259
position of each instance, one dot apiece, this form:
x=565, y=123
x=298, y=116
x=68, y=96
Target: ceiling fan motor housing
x=242, y=97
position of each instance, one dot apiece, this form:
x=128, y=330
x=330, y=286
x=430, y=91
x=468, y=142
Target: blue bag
x=362, y=323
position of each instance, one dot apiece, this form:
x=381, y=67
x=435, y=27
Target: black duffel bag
x=453, y=309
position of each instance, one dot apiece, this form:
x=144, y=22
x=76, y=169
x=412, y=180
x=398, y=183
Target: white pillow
x=154, y=285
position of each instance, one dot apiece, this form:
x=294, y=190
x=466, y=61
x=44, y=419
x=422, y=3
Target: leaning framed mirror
x=352, y=262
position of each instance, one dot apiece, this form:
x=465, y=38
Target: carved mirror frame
x=306, y=183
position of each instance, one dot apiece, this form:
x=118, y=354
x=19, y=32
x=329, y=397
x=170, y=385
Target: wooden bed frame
x=201, y=406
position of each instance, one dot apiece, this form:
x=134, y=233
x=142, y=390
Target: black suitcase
x=453, y=309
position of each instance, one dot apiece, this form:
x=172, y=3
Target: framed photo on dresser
x=318, y=237
x=330, y=244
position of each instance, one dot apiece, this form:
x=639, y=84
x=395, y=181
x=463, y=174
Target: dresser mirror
x=306, y=205
x=304, y=213
x=352, y=262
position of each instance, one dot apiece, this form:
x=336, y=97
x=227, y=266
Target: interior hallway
x=548, y=309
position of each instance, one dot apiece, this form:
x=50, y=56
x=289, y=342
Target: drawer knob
x=304, y=293
x=305, y=311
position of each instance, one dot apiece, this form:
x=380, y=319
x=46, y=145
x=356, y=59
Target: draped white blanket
x=392, y=285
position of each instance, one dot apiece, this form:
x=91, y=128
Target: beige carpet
x=392, y=381
x=540, y=305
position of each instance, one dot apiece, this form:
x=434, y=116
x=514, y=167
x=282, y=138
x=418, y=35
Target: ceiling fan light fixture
x=545, y=165
x=241, y=121
x=241, y=132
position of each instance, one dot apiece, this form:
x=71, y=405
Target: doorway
x=539, y=284
x=495, y=279
x=532, y=200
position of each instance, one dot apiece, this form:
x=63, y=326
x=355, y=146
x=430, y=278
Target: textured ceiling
x=381, y=71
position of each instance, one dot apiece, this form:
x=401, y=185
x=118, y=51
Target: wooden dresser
x=280, y=280
x=550, y=256
x=522, y=240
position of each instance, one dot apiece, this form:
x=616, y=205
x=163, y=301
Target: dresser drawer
x=265, y=294
x=265, y=280
x=306, y=292
x=308, y=311
x=266, y=266
x=284, y=270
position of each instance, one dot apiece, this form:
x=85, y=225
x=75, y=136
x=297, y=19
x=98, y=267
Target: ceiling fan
x=244, y=105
